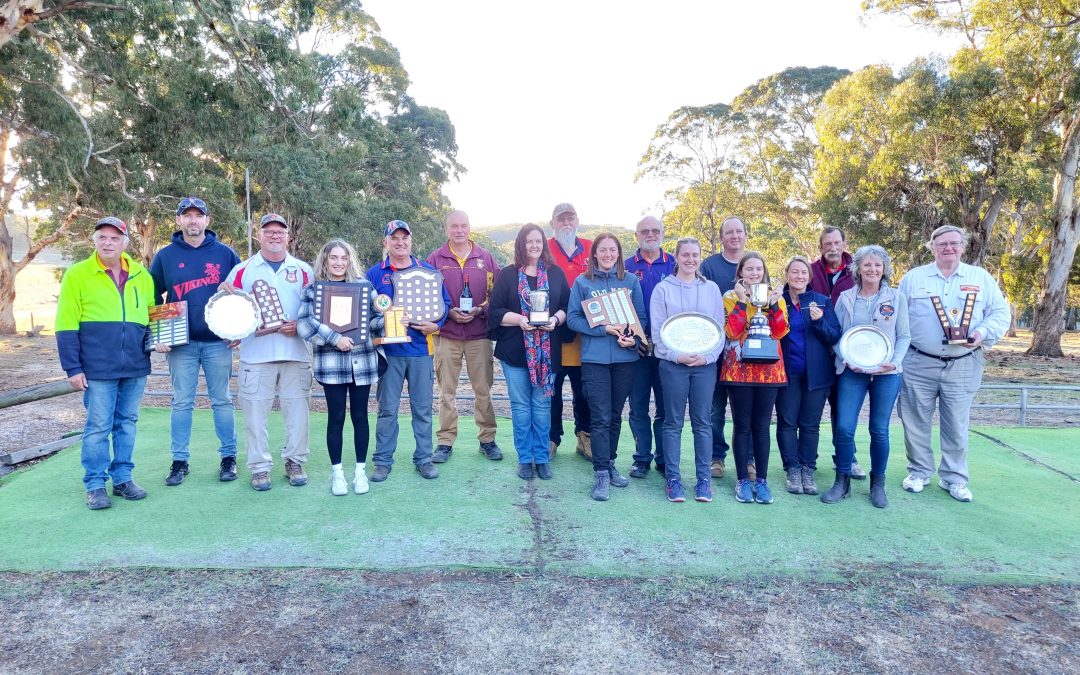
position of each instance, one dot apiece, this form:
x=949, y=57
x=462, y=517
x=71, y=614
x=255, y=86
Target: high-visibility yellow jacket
x=98, y=332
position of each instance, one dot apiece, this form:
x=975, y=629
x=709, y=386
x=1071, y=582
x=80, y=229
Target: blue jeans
x=851, y=391
x=683, y=384
x=798, y=422
x=646, y=382
x=530, y=415
x=419, y=372
x=112, y=407
x=216, y=359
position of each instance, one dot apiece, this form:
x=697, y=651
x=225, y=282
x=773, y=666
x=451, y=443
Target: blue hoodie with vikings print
x=597, y=346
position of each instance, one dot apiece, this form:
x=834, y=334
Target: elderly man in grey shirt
x=956, y=311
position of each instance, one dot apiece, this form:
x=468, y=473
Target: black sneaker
x=228, y=469
x=639, y=470
x=617, y=479
x=441, y=454
x=491, y=451
x=176, y=473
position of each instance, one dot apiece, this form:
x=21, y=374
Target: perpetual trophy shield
x=344, y=307
x=419, y=292
x=270, y=309
x=614, y=308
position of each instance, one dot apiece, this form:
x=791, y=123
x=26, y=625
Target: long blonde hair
x=322, y=271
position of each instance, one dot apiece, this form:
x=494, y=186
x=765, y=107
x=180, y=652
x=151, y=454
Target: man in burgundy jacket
x=464, y=336
x=831, y=275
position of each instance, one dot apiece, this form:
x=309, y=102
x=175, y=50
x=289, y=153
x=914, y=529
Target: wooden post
x=36, y=392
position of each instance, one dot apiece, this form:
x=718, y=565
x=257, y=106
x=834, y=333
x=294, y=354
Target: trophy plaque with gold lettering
x=270, y=309
x=956, y=324
x=395, y=332
x=614, y=308
x=344, y=307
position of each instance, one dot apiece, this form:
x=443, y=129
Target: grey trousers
x=928, y=383
x=258, y=383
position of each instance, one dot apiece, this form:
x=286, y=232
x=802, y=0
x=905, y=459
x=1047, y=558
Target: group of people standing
x=103, y=314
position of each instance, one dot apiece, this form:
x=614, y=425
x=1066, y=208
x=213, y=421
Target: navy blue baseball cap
x=395, y=225
x=192, y=203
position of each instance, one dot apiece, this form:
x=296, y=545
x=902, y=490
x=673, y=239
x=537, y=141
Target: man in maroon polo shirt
x=464, y=336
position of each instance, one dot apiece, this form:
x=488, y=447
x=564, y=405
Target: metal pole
x=247, y=203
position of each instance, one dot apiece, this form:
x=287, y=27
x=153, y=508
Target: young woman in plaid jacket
x=346, y=369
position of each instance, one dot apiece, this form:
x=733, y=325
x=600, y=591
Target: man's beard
x=566, y=238
x=650, y=247
x=834, y=259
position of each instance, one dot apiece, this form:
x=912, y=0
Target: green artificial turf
x=1022, y=526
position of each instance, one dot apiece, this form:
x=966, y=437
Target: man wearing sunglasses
x=277, y=363
x=190, y=269
x=956, y=311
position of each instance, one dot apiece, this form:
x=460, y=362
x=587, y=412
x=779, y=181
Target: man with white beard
x=650, y=264
x=571, y=254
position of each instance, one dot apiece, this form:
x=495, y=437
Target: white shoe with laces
x=915, y=483
x=360, y=482
x=338, y=486
x=959, y=491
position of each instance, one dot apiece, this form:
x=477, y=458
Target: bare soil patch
x=324, y=620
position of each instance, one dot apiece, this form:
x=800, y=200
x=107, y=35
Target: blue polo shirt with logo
x=650, y=274
x=381, y=276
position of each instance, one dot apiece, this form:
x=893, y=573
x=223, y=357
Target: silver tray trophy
x=759, y=346
x=232, y=316
x=865, y=347
x=692, y=333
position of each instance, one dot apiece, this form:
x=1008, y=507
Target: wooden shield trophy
x=344, y=307
x=614, y=308
x=273, y=316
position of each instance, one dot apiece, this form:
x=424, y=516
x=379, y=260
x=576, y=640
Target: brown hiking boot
x=260, y=481
x=717, y=468
x=295, y=473
x=584, y=445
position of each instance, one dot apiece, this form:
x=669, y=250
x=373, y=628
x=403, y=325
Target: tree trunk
x=1013, y=310
x=13, y=15
x=7, y=283
x=1047, y=324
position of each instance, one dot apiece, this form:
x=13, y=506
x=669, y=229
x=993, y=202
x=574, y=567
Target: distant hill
x=502, y=234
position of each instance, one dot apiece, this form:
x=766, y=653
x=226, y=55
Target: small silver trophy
x=539, y=312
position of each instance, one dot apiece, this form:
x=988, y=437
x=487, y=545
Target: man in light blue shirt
x=944, y=374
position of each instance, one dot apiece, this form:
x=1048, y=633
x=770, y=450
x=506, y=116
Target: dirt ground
x=315, y=620
x=323, y=620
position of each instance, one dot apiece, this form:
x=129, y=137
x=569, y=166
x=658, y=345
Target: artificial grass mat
x=1021, y=528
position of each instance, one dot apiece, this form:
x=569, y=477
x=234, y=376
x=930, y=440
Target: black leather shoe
x=441, y=454
x=544, y=471
x=177, y=472
x=428, y=470
x=491, y=451
x=97, y=499
x=228, y=469
x=639, y=470
x=129, y=491
x=379, y=473
x=525, y=471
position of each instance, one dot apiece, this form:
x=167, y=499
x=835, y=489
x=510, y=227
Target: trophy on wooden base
x=539, y=307
x=956, y=332
x=273, y=315
x=759, y=346
x=394, y=332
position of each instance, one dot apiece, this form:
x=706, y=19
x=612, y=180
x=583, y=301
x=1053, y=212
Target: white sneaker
x=338, y=486
x=914, y=483
x=360, y=482
x=959, y=491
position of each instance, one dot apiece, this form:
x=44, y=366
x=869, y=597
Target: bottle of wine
x=465, y=303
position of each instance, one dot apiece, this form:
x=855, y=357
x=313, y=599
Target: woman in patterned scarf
x=526, y=350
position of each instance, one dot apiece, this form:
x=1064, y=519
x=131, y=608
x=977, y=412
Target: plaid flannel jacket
x=331, y=365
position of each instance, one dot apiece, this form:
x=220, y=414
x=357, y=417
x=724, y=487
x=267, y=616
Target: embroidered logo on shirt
x=886, y=311
x=970, y=289
x=290, y=275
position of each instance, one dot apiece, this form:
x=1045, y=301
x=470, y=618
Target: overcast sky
x=557, y=101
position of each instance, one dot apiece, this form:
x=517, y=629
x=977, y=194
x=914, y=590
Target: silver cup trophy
x=539, y=312
x=759, y=345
